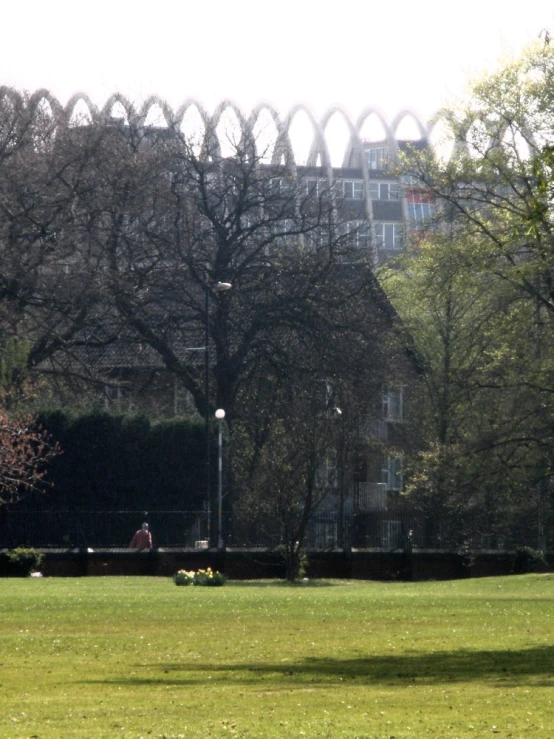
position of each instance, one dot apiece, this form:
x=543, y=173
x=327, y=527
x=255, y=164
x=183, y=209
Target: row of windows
x=347, y=189
x=355, y=190
x=388, y=235
x=384, y=190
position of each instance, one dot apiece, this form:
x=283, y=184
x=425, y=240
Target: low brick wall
x=261, y=564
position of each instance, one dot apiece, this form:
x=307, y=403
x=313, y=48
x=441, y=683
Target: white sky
x=408, y=53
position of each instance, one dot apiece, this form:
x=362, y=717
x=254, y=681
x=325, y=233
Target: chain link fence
x=386, y=530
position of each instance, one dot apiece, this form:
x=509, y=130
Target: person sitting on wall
x=142, y=540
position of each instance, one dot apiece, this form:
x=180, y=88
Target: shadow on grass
x=282, y=584
x=534, y=666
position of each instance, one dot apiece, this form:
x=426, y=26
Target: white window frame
x=389, y=235
x=384, y=190
x=420, y=212
x=393, y=403
x=377, y=157
x=353, y=189
x=359, y=231
x=392, y=471
x=316, y=188
x=281, y=186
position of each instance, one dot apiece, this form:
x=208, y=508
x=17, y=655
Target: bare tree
x=117, y=237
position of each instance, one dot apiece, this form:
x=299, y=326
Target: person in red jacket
x=142, y=540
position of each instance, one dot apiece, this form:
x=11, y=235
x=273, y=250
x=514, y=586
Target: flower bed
x=200, y=577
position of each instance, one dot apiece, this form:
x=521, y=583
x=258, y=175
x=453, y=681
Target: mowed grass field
x=140, y=657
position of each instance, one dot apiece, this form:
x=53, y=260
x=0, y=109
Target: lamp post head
x=223, y=286
x=220, y=414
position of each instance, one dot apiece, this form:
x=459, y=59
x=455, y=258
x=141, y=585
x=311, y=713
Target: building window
x=354, y=189
x=383, y=190
x=391, y=472
x=393, y=404
x=357, y=233
x=281, y=187
x=378, y=158
x=275, y=184
x=388, y=235
x=282, y=227
x=116, y=397
x=316, y=237
x=316, y=188
x=410, y=180
x=420, y=212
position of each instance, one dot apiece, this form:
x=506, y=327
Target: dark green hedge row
x=117, y=462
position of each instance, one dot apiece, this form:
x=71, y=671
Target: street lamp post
x=220, y=415
x=340, y=463
x=218, y=287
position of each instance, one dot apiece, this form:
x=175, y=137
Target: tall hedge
x=117, y=462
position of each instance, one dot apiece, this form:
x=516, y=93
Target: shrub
x=529, y=560
x=209, y=577
x=22, y=561
x=183, y=578
x=200, y=577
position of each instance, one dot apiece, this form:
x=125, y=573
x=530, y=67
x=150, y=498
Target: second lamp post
x=220, y=415
x=218, y=287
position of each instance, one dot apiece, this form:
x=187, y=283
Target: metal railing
x=371, y=527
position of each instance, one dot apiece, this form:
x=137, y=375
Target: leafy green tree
x=295, y=470
x=478, y=293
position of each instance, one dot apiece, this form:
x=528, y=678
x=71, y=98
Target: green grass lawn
x=139, y=657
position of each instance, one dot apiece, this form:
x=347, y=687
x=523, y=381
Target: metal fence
x=380, y=529
x=97, y=529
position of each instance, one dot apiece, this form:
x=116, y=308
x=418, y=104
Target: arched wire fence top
x=354, y=143
x=155, y=101
x=283, y=149
x=193, y=103
x=127, y=105
x=409, y=114
x=441, y=116
x=15, y=97
x=73, y=102
x=389, y=134
x=45, y=96
x=318, y=145
x=373, y=110
x=246, y=136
